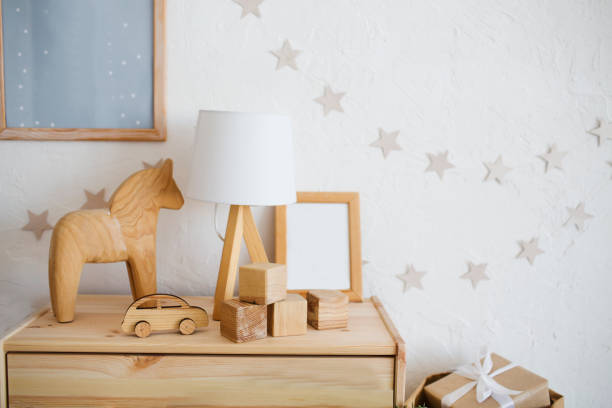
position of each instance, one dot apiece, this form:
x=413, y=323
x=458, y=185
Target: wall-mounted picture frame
x=319, y=239
x=82, y=70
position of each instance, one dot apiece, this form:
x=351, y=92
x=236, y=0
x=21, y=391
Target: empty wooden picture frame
x=319, y=239
x=82, y=70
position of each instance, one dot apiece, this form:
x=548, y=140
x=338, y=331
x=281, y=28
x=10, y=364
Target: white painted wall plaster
x=479, y=78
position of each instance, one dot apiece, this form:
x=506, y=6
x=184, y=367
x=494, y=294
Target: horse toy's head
x=154, y=187
x=170, y=196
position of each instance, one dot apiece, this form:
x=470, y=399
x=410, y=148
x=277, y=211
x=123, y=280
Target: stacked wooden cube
x=264, y=307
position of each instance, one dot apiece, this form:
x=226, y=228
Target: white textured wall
x=479, y=78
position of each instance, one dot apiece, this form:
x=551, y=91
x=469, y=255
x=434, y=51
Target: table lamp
x=241, y=159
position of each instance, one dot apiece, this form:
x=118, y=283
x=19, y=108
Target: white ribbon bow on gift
x=485, y=385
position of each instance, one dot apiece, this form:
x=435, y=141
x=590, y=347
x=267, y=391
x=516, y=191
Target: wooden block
x=287, y=317
x=241, y=322
x=327, y=309
x=262, y=283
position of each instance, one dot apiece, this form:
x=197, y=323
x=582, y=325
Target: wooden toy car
x=180, y=316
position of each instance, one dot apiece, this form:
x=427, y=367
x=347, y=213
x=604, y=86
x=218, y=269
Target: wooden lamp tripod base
x=239, y=224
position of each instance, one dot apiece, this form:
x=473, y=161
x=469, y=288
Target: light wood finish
x=97, y=330
x=252, y=239
x=242, y=322
x=262, y=283
x=142, y=329
x=226, y=280
x=52, y=380
x=158, y=133
x=3, y=379
x=96, y=333
x=400, y=353
x=240, y=224
x=175, y=314
x=187, y=326
x=352, y=200
x=125, y=232
x=288, y=317
x=327, y=309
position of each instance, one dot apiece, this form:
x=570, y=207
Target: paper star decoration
x=497, y=170
x=412, y=278
x=153, y=166
x=95, y=201
x=439, y=163
x=330, y=100
x=529, y=250
x=604, y=131
x=387, y=141
x=286, y=56
x=38, y=223
x=249, y=7
x=578, y=216
x=553, y=158
x=475, y=273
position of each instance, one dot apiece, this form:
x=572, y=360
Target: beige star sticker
x=412, y=278
x=603, y=131
x=497, y=170
x=153, y=166
x=286, y=56
x=330, y=100
x=439, y=163
x=95, y=201
x=553, y=158
x=38, y=223
x=249, y=7
x=387, y=141
x=529, y=250
x=578, y=216
x=475, y=273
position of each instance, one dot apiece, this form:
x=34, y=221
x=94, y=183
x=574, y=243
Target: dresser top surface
x=96, y=329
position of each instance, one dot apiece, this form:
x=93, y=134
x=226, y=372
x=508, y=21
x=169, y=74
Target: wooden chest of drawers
x=90, y=362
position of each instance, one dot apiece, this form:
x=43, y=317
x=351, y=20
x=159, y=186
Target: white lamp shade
x=243, y=158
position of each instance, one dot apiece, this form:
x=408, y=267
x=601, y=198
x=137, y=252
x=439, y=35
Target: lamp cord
x=221, y=237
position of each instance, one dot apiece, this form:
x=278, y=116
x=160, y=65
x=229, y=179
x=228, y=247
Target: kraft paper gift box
x=533, y=389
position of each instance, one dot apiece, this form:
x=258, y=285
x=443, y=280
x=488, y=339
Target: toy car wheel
x=142, y=329
x=187, y=326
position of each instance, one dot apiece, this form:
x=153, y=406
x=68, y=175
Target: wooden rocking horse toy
x=124, y=232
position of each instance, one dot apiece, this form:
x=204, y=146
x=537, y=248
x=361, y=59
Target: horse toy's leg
x=65, y=266
x=141, y=268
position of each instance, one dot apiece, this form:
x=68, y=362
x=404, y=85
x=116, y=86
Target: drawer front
x=122, y=380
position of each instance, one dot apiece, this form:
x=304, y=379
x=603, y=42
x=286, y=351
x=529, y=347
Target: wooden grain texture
x=288, y=317
x=400, y=354
x=262, y=283
x=125, y=232
x=240, y=224
x=252, y=239
x=169, y=316
x=85, y=380
x=242, y=322
x=26, y=322
x=327, y=309
x=157, y=133
x=226, y=280
x=352, y=200
x=97, y=330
